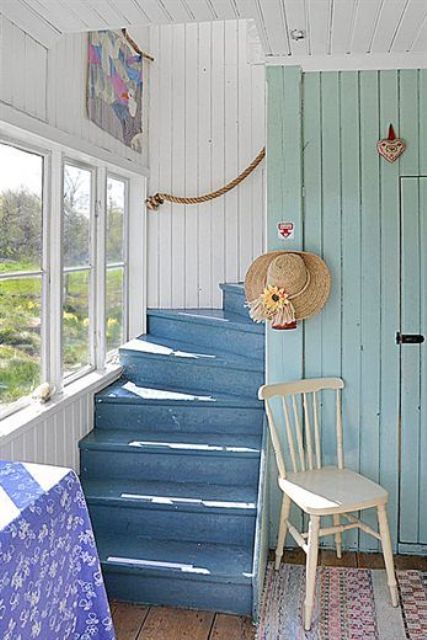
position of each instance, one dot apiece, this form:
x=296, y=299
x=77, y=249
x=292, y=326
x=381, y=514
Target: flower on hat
x=273, y=298
x=273, y=304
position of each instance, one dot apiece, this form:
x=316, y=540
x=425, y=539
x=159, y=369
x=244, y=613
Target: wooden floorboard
x=128, y=620
x=134, y=622
x=228, y=627
x=163, y=623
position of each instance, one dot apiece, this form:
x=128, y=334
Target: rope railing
x=154, y=202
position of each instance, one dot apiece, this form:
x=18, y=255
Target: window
x=63, y=265
x=116, y=262
x=78, y=317
x=22, y=280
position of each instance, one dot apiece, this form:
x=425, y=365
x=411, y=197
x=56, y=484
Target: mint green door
x=413, y=362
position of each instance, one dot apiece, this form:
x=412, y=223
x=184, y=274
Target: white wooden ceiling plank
x=420, y=41
x=296, y=18
x=320, y=19
x=177, y=11
x=273, y=17
x=200, y=9
x=343, y=15
x=30, y=21
x=367, y=12
x=412, y=20
x=249, y=9
x=85, y=9
x=131, y=12
x=109, y=12
x=58, y=15
x=224, y=9
x=154, y=10
x=388, y=24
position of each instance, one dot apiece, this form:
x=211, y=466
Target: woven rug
x=351, y=604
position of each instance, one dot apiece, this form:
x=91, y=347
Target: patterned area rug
x=351, y=604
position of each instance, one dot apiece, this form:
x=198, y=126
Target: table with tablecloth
x=51, y=585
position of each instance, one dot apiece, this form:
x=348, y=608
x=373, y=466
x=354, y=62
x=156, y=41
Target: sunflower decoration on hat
x=283, y=287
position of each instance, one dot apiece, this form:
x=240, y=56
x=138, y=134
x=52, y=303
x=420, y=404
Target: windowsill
x=25, y=418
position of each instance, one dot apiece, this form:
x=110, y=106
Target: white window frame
x=43, y=272
x=109, y=356
x=92, y=269
x=55, y=155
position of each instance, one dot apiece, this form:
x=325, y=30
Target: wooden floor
x=133, y=622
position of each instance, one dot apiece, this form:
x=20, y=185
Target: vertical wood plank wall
x=50, y=85
x=350, y=215
x=53, y=440
x=206, y=125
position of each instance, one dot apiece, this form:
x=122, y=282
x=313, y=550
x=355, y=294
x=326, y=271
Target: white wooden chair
x=317, y=490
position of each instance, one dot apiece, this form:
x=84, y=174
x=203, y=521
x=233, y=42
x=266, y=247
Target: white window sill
x=25, y=418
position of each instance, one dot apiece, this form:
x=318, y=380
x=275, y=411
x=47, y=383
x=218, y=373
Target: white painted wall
x=50, y=434
x=206, y=125
x=50, y=85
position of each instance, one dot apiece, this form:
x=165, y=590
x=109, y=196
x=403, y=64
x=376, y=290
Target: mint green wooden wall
x=322, y=134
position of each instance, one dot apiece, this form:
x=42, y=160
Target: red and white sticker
x=286, y=230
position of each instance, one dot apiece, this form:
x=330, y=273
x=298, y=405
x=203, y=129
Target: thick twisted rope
x=154, y=202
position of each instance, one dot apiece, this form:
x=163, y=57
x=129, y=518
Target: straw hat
x=284, y=286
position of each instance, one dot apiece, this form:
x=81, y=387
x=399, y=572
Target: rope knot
x=154, y=202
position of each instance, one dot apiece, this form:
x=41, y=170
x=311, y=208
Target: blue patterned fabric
x=51, y=585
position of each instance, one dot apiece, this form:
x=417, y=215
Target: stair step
x=193, y=512
x=179, y=496
x=153, y=361
x=181, y=443
x=209, y=327
x=183, y=574
x=210, y=458
x=234, y=299
x=125, y=405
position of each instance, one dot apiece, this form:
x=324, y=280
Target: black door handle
x=409, y=338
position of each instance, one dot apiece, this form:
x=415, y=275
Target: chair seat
x=331, y=490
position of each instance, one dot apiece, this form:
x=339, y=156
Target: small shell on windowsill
x=44, y=392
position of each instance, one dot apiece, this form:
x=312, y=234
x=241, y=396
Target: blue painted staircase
x=171, y=471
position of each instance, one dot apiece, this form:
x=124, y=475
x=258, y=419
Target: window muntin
x=22, y=280
x=78, y=317
x=116, y=263
x=52, y=274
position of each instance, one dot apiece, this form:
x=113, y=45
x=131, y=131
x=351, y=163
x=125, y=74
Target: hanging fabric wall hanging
x=391, y=148
x=114, y=90
x=283, y=287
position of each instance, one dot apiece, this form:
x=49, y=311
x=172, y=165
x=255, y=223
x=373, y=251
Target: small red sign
x=286, y=230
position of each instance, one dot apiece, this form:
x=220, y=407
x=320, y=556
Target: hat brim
x=308, y=303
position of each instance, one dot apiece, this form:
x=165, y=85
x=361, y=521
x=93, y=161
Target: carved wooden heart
x=391, y=149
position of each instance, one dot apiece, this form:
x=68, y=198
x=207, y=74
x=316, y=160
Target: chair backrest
x=303, y=436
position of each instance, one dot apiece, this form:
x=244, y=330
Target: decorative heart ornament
x=391, y=148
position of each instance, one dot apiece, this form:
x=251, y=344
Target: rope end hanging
x=154, y=202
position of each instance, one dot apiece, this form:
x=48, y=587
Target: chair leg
x=338, y=536
x=283, y=529
x=388, y=554
x=311, y=565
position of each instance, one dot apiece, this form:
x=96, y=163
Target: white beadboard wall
x=52, y=440
x=206, y=125
x=50, y=85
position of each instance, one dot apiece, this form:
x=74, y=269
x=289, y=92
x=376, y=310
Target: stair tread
x=183, y=496
x=156, y=346
x=237, y=287
x=125, y=391
x=178, y=443
x=210, y=317
x=203, y=561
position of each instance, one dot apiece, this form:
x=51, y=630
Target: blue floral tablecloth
x=51, y=585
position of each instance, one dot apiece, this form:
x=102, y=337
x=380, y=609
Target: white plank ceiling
x=333, y=29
